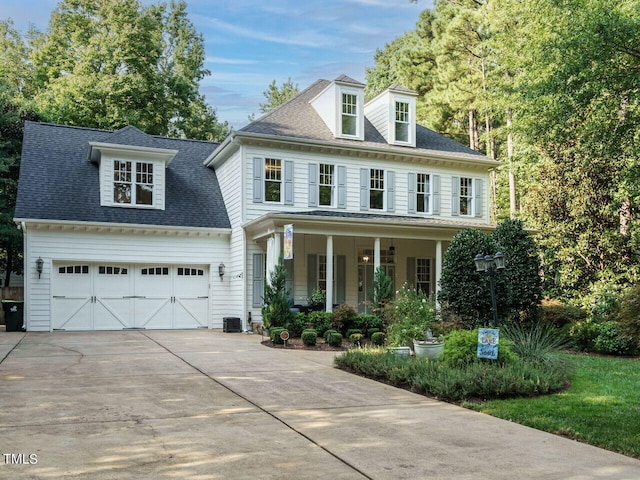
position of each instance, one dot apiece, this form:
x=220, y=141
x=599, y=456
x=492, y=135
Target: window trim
x=383, y=190
x=429, y=281
x=406, y=123
x=332, y=185
x=133, y=182
x=470, y=197
x=428, y=194
x=280, y=181
x=354, y=114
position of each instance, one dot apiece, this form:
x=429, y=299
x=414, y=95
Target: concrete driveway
x=203, y=404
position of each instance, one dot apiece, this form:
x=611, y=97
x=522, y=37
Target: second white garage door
x=90, y=296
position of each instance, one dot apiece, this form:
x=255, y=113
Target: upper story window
x=132, y=183
x=402, y=122
x=423, y=193
x=466, y=196
x=349, y=114
x=376, y=189
x=326, y=186
x=272, y=180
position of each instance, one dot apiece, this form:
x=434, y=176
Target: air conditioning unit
x=231, y=325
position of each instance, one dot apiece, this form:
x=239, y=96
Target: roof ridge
x=273, y=110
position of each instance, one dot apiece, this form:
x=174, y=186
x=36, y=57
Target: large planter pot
x=431, y=350
x=402, y=351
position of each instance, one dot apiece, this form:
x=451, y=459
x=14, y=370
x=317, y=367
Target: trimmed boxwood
x=309, y=338
x=351, y=331
x=356, y=339
x=377, y=338
x=275, y=335
x=329, y=332
x=371, y=331
x=335, y=340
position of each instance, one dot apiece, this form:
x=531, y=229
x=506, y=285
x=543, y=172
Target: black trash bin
x=13, y=315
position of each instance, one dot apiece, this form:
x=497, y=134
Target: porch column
x=329, y=292
x=438, y=269
x=273, y=253
x=376, y=254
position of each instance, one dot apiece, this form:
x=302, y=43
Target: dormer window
x=349, y=114
x=130, y=189
x=402, y=122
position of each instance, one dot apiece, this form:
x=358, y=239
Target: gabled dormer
x=393, y=114
x=341, y=107
x=132, y=169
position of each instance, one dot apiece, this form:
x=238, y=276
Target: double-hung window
x=466, y=196
x=326, y=186
x=423, y=193
x=132, y=183
x=376, y=189
x=272, y=180
x=349, y=114
x=402, y=122
x=423, y=275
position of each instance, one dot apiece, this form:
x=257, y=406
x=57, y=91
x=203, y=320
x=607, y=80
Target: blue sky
x=249, y=43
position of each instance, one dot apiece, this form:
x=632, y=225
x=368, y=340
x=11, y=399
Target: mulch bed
x=296, y=344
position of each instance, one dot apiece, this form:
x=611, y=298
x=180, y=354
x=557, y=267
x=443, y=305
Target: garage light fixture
x=221, y=269
x=39, y=266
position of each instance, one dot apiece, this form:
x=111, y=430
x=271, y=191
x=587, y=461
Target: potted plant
x=411, y=317
x=429, y=346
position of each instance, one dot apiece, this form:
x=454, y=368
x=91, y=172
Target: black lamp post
x=488, y=265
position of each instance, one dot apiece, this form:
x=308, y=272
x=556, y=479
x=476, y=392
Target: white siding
x=301, y=162
x=229, y=176
x=55, y=245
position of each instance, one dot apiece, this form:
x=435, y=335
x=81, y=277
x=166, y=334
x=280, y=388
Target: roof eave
x=243, y=137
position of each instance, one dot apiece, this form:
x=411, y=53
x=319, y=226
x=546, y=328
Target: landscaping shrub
x=335, y=340
x=274, y=333
x=535, y=343
x=583, y=335
x=344, y=318
x=627, y=312
x=277, y=305
x=318, y=299
x=612, y=341
x=365, y=321
x=557, y=314
x=309, y=337
x=377, y=338
x=356, y=339
x=351, y=331
x=474, y=380
x=410, y=316
x=461, y=349
x=297, y=324
x=329, y=333
x=320, y=321
x=371, y=331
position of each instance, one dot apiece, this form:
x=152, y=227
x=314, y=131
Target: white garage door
x=113, y=297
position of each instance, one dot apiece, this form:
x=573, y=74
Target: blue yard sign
x=488, y=343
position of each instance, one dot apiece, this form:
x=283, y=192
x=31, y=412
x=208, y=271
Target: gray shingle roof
x=57, y=181
x=297, y=118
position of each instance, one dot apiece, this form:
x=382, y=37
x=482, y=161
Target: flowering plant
x=410, y=316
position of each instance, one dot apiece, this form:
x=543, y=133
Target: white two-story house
x=135, y=231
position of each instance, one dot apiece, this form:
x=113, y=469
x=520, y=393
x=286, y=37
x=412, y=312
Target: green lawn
x=602, y=406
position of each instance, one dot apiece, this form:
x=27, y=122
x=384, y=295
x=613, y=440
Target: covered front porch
x=339, y=252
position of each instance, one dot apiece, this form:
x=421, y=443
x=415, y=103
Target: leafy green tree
x=381, y=291
x=276, y=96
x=14, y=75
x=465, y=291
x=117, y=63
x=522, y=272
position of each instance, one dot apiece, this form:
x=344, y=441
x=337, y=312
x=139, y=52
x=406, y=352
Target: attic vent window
x=402, y=122
x=349, y=114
